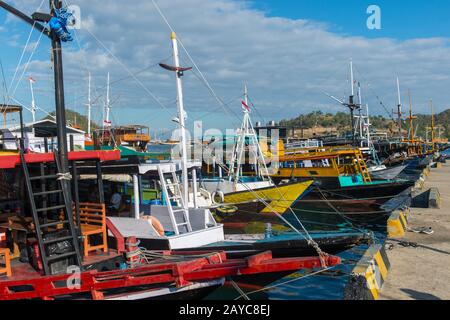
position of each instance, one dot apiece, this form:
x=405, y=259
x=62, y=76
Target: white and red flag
x=31, y=79
x=245, y=106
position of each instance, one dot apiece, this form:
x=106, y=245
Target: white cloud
x=286, y=63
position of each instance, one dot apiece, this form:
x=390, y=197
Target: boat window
x=300, y=164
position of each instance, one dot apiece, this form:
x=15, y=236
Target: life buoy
x=157, y=225
x=226, y=211
x=221, y=197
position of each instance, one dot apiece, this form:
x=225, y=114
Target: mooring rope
x=287, y=282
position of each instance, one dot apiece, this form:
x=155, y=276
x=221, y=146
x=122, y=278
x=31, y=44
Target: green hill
x=341, y=121
x=75, y=118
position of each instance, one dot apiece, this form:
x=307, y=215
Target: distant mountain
x=77, y=119
x=339, y=122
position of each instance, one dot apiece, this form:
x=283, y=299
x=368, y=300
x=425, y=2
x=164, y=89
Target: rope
x=307, y=236
x=371, y=233
x=287, y=282
x=64, y=176
x=28, y=62
x=239, y=290
x=129, y=71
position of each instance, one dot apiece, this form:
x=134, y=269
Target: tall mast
x=411, y=117
x=360, y=112
x=33, y=102
x=107, y=103
x=351, y=103
x=432, y=122
x=89, y=105
x=399, y=109
x=181, y=115
x=351, y=77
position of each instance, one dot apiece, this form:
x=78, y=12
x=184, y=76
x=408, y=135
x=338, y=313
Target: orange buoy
x=157, y=225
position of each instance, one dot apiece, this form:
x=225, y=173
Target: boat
x=253, y=194
x=384, y=173
x=342, y=184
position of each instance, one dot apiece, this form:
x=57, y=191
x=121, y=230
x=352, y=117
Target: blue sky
x=401, y=19
x=288, y=52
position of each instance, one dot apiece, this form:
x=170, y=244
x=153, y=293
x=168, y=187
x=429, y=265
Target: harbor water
x=309, y=284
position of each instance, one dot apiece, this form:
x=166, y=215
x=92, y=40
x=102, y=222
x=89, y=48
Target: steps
x=171, y=190
x=52, y=214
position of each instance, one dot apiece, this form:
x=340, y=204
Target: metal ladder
x=173, y=187
x=362, y=167
x=51, y=202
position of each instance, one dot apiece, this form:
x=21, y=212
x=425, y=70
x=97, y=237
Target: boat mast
x=89, y=105
x=411, y=118
x=181, y=119
x=399, y=110
x=432, y=121
x=107, y=123
x=351, y=104
x=33, y=103
x=360, y=117
x=36, y=21
x=247, y=131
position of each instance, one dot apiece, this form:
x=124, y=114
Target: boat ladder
x=171, y=190
x=49, y=198
x=362, y=166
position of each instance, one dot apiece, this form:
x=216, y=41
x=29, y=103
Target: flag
x=31, y=79
x=245, y=106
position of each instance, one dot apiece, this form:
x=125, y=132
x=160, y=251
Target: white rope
x=27, y=64
x=239, y=290
x=64, y=176
x=29, y=108
x=129, y=71
x=23, y=54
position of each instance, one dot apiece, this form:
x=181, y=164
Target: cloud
x=287, y=64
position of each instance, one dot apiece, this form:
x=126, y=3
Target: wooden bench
x=93, y=222
x=4, y=253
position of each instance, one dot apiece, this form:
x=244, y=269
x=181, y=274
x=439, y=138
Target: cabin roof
x=130, y=127
x=45, y=128
x=9, y=108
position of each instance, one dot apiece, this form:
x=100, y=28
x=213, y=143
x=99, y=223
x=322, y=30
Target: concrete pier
x=423, y=272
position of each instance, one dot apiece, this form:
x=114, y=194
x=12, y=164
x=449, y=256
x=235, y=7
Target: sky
x=288, y=52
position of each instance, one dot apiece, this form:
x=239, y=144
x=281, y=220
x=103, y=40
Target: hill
x=75, y=118
x=323, y=123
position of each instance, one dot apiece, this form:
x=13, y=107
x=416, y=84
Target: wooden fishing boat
x=342, y=181
x=252, y=193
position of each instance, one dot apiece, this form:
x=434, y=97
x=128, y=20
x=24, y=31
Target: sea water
x=305, y=284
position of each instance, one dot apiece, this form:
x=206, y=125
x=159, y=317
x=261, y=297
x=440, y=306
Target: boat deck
x=12, y=160
x=25, y=271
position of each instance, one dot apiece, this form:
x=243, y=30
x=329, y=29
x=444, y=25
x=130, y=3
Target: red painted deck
x=187, y=269
x=24, y=271
x=11, y=161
